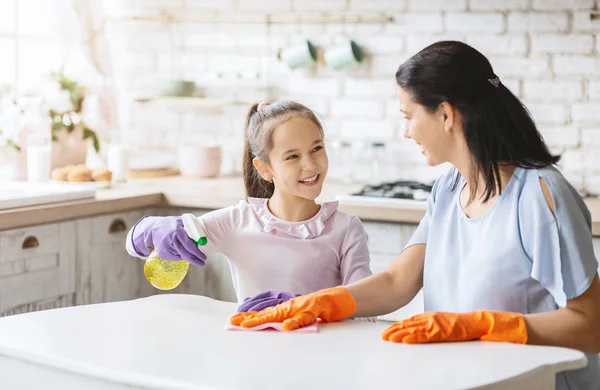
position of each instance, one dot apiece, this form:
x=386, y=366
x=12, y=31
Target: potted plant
x=70, y=134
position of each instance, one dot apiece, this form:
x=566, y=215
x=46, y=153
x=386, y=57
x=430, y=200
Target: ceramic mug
x=177, y=88
x=200, y=161
x=344, y=55
x=300, y=56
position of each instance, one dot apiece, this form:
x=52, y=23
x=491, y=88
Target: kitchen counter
x=147, y=344
x=206, y=194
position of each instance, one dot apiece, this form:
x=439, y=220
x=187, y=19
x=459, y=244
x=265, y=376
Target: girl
x=504, y=252
x=279, y=238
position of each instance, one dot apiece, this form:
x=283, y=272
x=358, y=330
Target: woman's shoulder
x=446, y=184
x=549, y=189
x=548, y=179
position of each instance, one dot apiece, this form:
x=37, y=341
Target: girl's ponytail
x=256, y=186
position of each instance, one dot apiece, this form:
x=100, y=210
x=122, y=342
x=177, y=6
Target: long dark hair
x=259, y=127
x=497, y=126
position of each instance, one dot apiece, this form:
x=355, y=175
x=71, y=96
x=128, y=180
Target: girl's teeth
x=311, y=180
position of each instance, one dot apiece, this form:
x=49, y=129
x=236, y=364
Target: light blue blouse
x=518, y=256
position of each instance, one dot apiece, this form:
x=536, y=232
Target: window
x=30, y=42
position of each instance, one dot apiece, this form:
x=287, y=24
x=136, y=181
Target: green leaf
x=89, y=133
x=57, y=126
x=13, y=145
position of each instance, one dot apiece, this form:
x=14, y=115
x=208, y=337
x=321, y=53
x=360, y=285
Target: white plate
x=92, y=185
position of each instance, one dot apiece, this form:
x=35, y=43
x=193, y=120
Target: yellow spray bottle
x=166, y=274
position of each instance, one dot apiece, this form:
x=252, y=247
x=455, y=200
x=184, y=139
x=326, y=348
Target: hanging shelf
x=278, y=18
x=190, y=102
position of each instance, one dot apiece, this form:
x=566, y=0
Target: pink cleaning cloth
x=312, y=328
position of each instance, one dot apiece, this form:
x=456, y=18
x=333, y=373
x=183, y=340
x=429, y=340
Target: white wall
x=546, y=51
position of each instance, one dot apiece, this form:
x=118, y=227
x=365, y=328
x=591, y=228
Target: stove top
x=402, y=191
x=398, y=189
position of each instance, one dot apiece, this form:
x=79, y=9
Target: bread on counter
x=60, y=174
x=101, y=174
x=81, y=173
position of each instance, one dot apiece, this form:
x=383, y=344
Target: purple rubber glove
x=167, y=236
x=264, y=300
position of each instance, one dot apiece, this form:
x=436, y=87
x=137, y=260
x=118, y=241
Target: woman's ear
x=263, y=169
x=448, y=115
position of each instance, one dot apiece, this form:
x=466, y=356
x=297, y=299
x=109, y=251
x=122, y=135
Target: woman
x=504, y=252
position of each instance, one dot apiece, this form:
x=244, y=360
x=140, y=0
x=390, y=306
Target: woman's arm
x=575, y=326
x=393, y=288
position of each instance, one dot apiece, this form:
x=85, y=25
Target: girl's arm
x=393, y=288
x=216, y=225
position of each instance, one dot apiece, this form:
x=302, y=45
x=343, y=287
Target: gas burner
x=398, y=189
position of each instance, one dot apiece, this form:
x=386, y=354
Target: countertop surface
x=177, y=341
x=210, y=194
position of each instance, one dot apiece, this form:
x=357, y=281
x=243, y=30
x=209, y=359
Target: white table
x=179, y=342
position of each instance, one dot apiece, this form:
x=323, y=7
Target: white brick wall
x=560, y=137
x=493, y=5
x=504, y=45
x=594, y=90
x=545, y=51
x=558, y=91
x=538, y=21
x=475, y=22
x=556, y=44
x=437, y=5
x=562, y=4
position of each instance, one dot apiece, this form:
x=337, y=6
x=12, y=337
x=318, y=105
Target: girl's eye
x=405, y=117
x=317, y=148
x=291, y=157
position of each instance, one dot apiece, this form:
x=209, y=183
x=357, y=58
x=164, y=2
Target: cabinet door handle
x=367, y=236
x=30, y=242
x=117, y=226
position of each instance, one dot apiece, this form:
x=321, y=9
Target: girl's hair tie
x=263, y=104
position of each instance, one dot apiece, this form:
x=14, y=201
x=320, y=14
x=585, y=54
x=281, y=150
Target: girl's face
x=431, y=131
x=298, y=161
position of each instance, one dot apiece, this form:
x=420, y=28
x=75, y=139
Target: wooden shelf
x=189, y=101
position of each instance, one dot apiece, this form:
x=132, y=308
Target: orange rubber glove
x=477, y=325
x=330, y=305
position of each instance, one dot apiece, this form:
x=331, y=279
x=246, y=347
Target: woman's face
x=431, y=131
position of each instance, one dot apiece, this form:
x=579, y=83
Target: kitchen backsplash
x=545, y=51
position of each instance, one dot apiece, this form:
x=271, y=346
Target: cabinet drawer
x=46, y=304
x=113, y=228
x=41, y=272
x=29, y=242
x=35, y=286
x=388, y=238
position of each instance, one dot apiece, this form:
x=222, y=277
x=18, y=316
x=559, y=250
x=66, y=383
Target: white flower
x=58, y=99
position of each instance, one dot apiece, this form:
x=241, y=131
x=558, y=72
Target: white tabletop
x=179, y=342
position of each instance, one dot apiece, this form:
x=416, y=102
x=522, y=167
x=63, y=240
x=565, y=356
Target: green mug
x=300, y=56
x=177, y=88
x=343, y=56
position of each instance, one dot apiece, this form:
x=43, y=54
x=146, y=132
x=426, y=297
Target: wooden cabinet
x=214, y=279
x=37, y=267
x=386, y=241
x=85, y=261
x=105, y=272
